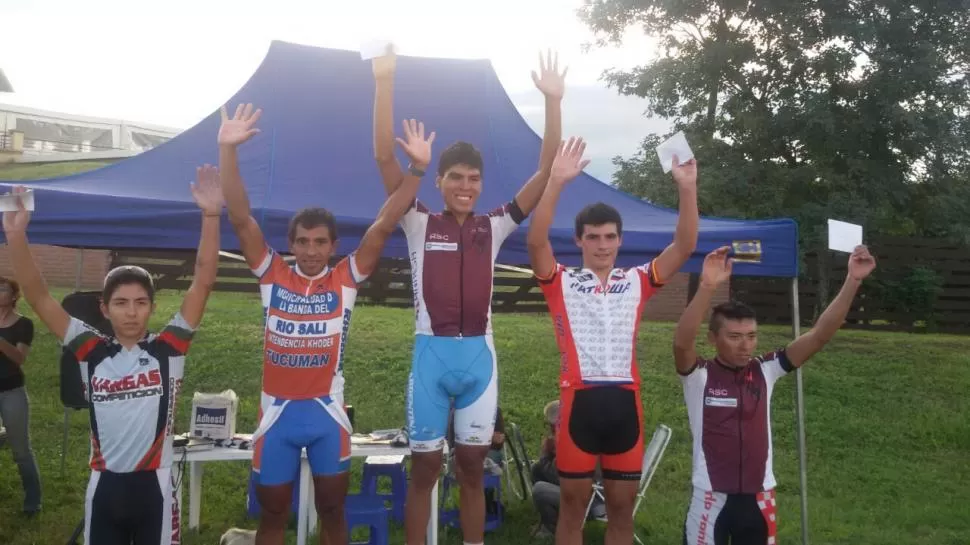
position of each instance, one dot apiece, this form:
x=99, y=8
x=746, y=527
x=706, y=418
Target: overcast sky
x=101, y=57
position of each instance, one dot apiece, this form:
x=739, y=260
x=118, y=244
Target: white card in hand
x=8, y=203
x=375, y=48
x=675, y=145
x=844, y=237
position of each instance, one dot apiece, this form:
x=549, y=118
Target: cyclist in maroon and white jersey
x=453, y=254
x=728, y=405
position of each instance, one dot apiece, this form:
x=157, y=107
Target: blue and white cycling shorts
x=462, y=369
x=288, y=426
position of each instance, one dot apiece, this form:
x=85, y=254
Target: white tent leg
x=800, y=414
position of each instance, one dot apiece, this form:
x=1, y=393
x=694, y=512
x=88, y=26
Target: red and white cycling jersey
x=596, y=325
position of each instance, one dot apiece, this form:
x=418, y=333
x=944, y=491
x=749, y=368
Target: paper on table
x=844, y=237
x=8, y=203
x=675, y=145
x=375, y=48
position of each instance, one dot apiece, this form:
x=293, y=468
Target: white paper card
x=8, y=203
x=844, y=237
x=675, y=145
x=375, y=48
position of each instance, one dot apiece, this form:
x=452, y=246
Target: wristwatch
x=415, y=171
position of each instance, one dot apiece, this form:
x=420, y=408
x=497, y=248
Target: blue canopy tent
x=315, y=149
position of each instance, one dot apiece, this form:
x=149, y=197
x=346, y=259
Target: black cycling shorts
x=715, y=518
x=600, y=424
x=129, y=508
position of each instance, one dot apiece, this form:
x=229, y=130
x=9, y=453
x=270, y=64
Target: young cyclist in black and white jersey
x=131, y=379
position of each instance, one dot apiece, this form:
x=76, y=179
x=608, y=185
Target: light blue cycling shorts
x=462, y=369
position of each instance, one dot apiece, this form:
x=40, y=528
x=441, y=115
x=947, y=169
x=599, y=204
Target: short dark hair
x=732, y=310
x=14, y=287
x=598, y=214
x=308, y=218
x=460, y=153
x=124, y=275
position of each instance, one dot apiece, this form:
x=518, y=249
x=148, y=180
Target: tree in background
x=849, y=109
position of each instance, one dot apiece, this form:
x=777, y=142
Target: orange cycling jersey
x=306, y=324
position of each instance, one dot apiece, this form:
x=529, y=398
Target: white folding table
x=306, y=516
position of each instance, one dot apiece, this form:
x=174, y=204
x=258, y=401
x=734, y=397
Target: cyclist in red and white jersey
x=131, y=378
x=308, y=309
x=729, y=405
x=596, y=311
x=453, y=255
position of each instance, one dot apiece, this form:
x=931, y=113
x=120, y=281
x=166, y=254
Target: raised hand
x=18, y=219
x=569, y=160
x=240, y=127
x=415, y=144
x=861, y=262
x=549, y=80
x=207, y=190
x=385, y=65
x=685, y=174
x=717, y=267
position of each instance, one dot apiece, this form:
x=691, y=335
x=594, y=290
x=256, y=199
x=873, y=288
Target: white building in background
x=43, y=135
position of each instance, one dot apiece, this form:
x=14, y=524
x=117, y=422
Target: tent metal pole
x=800, y=414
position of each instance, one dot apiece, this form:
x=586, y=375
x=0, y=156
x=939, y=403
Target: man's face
x=735, y=340
x=129, y=310
x=460, y=187
x=599, y=244
x=312, y=248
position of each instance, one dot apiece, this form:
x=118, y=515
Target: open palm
x=240, y=127
x=207, y=190
x=18, y=219
x=548, y=79
x=717, y=267
x=569, y=161
x=415, y=144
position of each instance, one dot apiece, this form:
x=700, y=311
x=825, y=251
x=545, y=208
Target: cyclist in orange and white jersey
x=308, y=309
x=596, y=312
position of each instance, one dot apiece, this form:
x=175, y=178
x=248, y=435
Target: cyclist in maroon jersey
x=728, y=405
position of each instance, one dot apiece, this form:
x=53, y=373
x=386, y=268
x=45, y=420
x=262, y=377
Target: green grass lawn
x=35, y=171
x=888, y=433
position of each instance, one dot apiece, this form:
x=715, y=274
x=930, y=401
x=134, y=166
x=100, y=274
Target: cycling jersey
x=729, y=410
x=307, y=320
x=596, y=326
x=596, y=330
x=716, y=518
x=132, y=394
x=451, y=267
x=454, y=358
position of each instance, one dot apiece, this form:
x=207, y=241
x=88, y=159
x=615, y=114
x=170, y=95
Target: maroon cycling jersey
x=729, y=411
x=451, y=267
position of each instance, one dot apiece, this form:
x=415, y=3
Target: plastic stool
x=364, y=510
x=450, y=517
x=393, y=468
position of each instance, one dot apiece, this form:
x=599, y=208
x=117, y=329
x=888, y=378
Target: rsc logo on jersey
x=296, y=303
